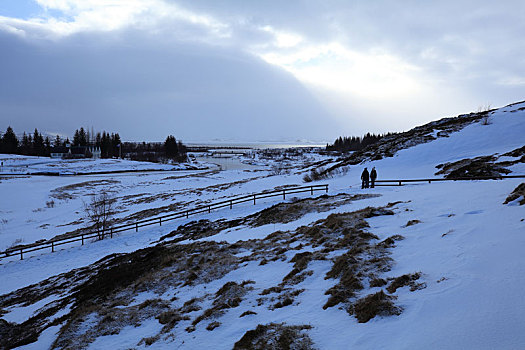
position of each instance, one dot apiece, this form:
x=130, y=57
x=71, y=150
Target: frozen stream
x=227, y=163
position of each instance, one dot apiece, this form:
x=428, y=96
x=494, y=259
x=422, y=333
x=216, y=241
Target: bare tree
x=99, y=211
x=485, y=120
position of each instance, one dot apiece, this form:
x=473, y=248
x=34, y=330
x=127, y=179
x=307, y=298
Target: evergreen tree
x=26, y=144
x=38, y=144
x=47, y=147
x=170, y=147
x=82, y=137
x=115, y=145
x=76, y=138
x=57, y=142
x=9, y=142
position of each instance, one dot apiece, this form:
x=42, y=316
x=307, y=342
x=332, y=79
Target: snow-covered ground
x=467, y=245
x=15, y=164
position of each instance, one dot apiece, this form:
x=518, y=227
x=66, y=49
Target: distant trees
x=34, y=145
x=80, y=138
x=169, y=150
x=109, y=144
x=354, y=143
x=174, y=150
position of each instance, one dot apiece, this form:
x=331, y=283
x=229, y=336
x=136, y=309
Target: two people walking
x=366, y=177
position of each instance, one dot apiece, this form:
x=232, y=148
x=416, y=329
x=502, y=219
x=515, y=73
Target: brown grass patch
x=517, y=193
x=378, y=304
x=402, y=281
x=275, y=336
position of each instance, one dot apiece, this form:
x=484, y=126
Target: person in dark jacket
x=365, y=178
x=373, y=177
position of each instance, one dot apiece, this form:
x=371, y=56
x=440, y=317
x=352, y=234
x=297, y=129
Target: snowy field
x=465, y=245
x=14, y=164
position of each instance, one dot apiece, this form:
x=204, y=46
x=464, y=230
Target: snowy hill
x=434, y=266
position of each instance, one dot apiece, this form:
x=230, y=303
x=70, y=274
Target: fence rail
x=400, y=182
x=82, y=237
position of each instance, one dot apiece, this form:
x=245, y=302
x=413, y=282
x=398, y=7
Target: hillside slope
x=450, y=139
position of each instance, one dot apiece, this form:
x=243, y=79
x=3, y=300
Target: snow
x=468, y=247
x=15, y=164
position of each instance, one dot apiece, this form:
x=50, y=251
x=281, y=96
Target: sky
x=248, y=71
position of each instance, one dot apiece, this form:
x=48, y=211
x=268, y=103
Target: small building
x=60, y=152
x=95, y=152
x=79, y=152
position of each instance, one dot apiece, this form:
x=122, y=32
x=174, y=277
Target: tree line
x=30, y=144
x=354, y=143
x=156, y=152
x=109, y=144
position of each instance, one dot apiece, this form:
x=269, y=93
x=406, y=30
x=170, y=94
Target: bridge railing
x=82, y=237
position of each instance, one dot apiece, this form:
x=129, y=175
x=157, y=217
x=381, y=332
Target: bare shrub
x=280, y=169
x=485, y=120
x=15, y=243
x=50, y=204
x=321, y=173
x=99, y=212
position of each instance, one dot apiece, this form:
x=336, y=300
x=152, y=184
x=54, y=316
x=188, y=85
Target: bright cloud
x=335, y=67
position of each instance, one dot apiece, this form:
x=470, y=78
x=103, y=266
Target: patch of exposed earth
x=484, y=166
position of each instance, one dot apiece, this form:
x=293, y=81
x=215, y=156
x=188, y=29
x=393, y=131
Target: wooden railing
x=52, y=244
x=400, y=182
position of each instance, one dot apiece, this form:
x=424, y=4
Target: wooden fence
x=52, y=244
x=400, y=182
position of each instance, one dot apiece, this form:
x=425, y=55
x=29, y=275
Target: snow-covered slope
x=434, y=266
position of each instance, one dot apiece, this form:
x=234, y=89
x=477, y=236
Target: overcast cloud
x=254, y=70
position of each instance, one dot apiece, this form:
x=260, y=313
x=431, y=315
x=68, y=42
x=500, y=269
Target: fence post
x=284, y=194
x=82, y=239
x=21, y=254
x=429, y=181
x=231, y=204
x=111, y=232
x=160, y=221
x=52, y=247
x=399, y=183
x=136, y=227
x=312, y=190
x=187, y=214
x=253, y=199
x=326, y=188
x=209, y=208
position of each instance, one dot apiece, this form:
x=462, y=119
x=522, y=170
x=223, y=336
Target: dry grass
x=405, y=280
x=475, y=167
x=412, y=222
x=228, y=296
x=212, y=325
x=276, y=337
x=378, y=304
x=249, y=312
x=517, y=193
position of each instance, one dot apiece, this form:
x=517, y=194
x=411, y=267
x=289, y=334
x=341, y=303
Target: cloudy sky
x=247, y=70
